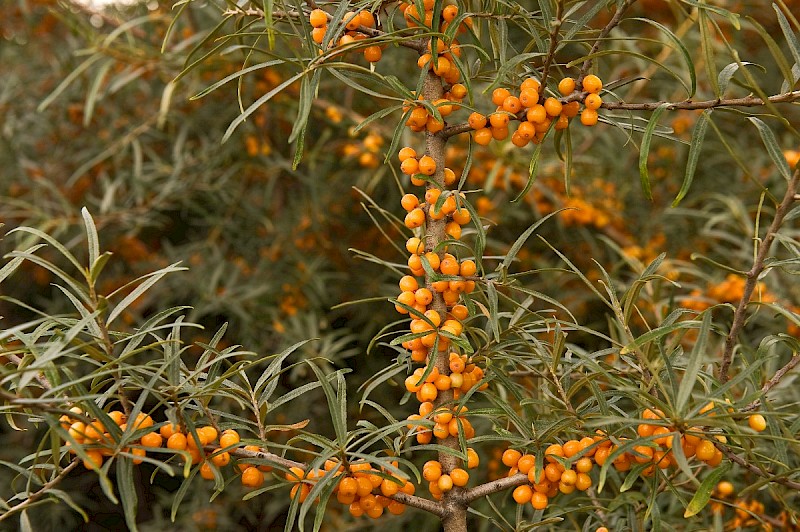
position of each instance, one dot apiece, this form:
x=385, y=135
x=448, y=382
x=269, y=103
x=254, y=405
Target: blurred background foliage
x=91, y=116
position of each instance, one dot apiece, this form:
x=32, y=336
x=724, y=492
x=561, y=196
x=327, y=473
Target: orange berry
x=511, y=457
x=406, y=153
x=473, y=460
x=499, y=95
x=206, y=472
x=151, y=439
x=139, y=453
x=552, y=107
x=589, y=117
x=566, y=86
x=757, y=422
x=167, y=430
x=498, y=120
x=461, y=216
x=705, y=451
x=428, y=392
x=552, y=451
x=539, y=501
x=530, y=83
x=512, y=104
x=409, y=202
x=177, y=442
x=415, y=218
x=477, y=121
x=483, y=136
x=252, y=477
x=526, y=463
x=583, y=482
x=529, y=97
x=409, y=166
x=94, y=459
x=592, y=84
x=427, y=165
x=571, y=109
x=522, y=494
x=537, y=114
x=366, y=19
x=593, y=101
x=445, y=483
x=460, y=477
x=583, y=465
x=318, y=18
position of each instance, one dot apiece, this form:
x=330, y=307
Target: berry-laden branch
x=752, y=276
x=754, y=469
x=495, y=486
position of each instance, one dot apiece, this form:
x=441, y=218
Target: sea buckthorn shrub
x=521, y=265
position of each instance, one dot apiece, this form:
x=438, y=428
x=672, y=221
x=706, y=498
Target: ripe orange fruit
x=415, y=218
x=427, y=165
x=592, y=84
x=499, y=95
x=705, y=451
x=483, y=136
x=589, y=117
x=476, y=121
x=151, y=439
x=566, y=86
x=177, y=442
x=373, y=53
x=252, y=477
x=511, y=457
x=206, y=472
x=522, y=494
x=498, y=120
x=757, y=422
x=94, y=460
x=552, y=107
x=318, y=18
x=537, y=114
x=406, y=153
x=221, y=459
x=512, y=104
x=539, y=501
x=593, y=101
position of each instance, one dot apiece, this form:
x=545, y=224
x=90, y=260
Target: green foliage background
x=92, y=117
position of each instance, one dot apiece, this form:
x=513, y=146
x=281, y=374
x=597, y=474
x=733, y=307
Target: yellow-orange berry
x=757, y=422
x=539, y=500
x=151, y=439
x=552, y=107
x=511, y=457
x=589, y=117
x=593, y=101
x=318, y=18
x=252, y=477
x=566, y=86
x=592, y=84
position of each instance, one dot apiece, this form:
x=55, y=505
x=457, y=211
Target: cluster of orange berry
x=730, y=290
x=440, y=482
x=535, y=118
x=556, y=478
x=361, y=487
x=447, y=421
x=98, y=442
x=353, y=21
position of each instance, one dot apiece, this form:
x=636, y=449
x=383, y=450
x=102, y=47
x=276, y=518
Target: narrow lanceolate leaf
x=707, y=46
x=512, y=253
x=127, y=491
x=791, y=38
x=533, y=169
x=13, y=264
x=703, y=494
x=772, y=148
x=91, y=236
x=695, y=361
x=149, y=280
x=698, y=134
x=690, y=69
x=644, y=152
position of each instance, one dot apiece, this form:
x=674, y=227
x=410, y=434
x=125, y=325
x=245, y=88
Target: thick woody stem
x=454, y=518
x=752, y=276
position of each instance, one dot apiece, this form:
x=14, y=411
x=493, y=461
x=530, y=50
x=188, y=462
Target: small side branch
x=33, y=497
x=753, y=469
x=613, y=23
x=419, y=503
x=774, y=381
x=752, y=275
x=494, y=486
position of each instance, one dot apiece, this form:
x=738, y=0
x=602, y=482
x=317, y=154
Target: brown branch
x=757, y=470
x=419, y=502
x=615, y=20
x=752, y=275
x=269, y=457
x=494, y=486
x=774, y=381
x=747, y=101
x=33, y=497
x=40, y=378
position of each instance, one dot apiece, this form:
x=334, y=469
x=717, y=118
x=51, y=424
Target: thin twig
x=33, y=497
x=615, y=20
x=40, y=378
x=774, y=381
x=551, y=52
x=754, y=273
x=753, y=469
x=747, y=101
x=494, y=486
